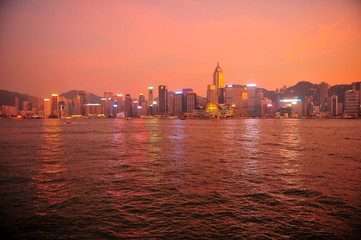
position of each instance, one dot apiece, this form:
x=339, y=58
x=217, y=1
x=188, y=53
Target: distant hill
x=8, y=98
x=301, y=90
x=72, y=94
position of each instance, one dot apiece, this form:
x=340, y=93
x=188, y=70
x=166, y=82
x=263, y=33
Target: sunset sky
x=126, y=46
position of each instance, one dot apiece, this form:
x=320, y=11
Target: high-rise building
x=150, y=100
x=178, y=103
x=171, y=103
x=218, y=82
x=163, y=99
x=251, y=94
x=54, y=104
x=334, y=105
x=191, y=101
x=128, y=102
x=212, y=94
x=185, y=93
x=141, y=99
x=351, y=102
x=47, y=107
x=120, y=102
x=323, y=96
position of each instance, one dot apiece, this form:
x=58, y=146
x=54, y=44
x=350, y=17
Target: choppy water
x=173, y=179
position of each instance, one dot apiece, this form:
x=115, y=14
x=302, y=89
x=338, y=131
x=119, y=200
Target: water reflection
x=50, y=184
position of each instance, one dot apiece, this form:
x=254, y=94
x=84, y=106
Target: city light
x=150, y=88
x=251, y=85
x=103, y=99
x=54, y=95
x=154, y=103
x=93, y=104
x=269, y=105
x=115, y=105
x=291, y=100
x=46, y=99
x=119, y=95
x=139, y=107
x=178, y=92
x=229, y=86
x=141, y=94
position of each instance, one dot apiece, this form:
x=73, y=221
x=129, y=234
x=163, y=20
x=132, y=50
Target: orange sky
x=125, y=46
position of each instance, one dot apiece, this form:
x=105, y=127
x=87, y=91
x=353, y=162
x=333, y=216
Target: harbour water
x=173, y=179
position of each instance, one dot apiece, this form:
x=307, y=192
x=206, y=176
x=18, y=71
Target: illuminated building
x=47, y=107
x=218, y=82
x=251, y=101
x=150, y=100
x=334, y=105
x=291, y=106
x=352, y=104
x=178, y=103
x=92, y=109
x=323, y=96
x=163, y=99
x=185, y=93
x=236, y=96
x=191, y=101
x=128, y=102
x=108, y=95
x=212, y=94
x=212, y=109
x=54, y=105
x=141, y=99
x=120, y=102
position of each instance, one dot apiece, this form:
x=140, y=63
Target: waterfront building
x=54, y=104
x=185, y=93
x=334, y=104
x=171, y=103
x=93, y=109
x=212, y=94
x=178, y=103
x=323, y=96
x=163, y=99
x=351, y=102
x=236, y=97
x=47, y=107
x=150, y=100
x=191, y=101
x=119, y=102
x=218, y=82
x=128, y=102
x=251, y=99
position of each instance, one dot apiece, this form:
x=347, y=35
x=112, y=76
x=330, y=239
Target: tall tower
x=163, y=99
x=218, y=82
x=150, y=100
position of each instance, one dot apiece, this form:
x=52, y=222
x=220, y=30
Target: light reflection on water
x=178, y=179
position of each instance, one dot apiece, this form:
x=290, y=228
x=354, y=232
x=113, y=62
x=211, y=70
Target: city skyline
x=127, y=46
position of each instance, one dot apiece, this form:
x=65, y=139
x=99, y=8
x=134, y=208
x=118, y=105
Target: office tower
x=47, y=107
x=218, y=82
x=191, y=101
x=54, y=104
x=120, y=102
x=351, y=102
x=212, y=94
x=334, y=105
x=251, y=93
x=128, y=102
x=81, y=97
x=163, y=99
x=150, y=100
x=25, y=105
x=141, y=99
x=185, y=93
x=178, y=103
x=323, y=95
x=236, y=96
x=135, y=109
x=171, y=103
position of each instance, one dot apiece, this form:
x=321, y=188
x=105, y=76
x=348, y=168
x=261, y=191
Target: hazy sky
x=126, y=46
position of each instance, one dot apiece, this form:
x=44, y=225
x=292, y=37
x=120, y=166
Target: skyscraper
x=178, y=103
x=54, y=104
x=334, y=104
x=163, y=99
x=218, y=82
x=128, y=102
x=191, y=101
x=150, y=100
x=323, y=95
x=212, y=94
x=185, y=93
